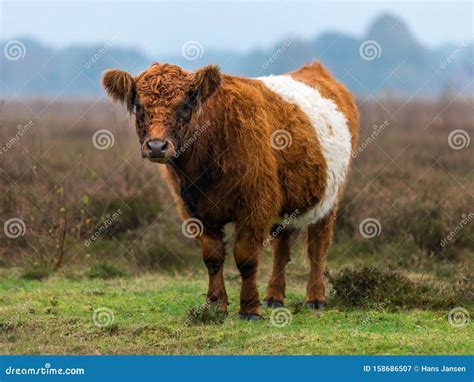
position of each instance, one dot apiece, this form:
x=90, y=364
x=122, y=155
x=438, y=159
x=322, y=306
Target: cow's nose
x=158, y=148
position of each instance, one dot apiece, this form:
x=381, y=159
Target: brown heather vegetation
x=64, y=189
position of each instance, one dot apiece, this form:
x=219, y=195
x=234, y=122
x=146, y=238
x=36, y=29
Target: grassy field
x=150, y=316
x=388, y=293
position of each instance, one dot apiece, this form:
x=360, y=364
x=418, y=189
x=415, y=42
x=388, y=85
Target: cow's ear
x=204, y=84
x=120, y=86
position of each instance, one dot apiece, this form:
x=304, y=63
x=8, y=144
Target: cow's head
x=163, y=98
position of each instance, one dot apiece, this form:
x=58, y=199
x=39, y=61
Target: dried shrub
x=369, y=287
x=105, y=271
x=38, y=273
x=206, y=314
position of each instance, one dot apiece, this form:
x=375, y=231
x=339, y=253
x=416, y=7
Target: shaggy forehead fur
x=160, y=84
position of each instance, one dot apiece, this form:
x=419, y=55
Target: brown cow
x=269, y=154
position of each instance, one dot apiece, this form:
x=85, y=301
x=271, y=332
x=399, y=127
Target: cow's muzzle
x=158, y=150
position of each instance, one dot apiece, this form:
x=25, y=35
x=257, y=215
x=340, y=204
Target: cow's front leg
x=213, y=253
x=246, y=252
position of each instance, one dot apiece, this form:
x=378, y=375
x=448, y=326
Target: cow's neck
x=194, y=172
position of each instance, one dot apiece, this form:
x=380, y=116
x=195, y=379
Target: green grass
x=54, y=316
x=105, y=271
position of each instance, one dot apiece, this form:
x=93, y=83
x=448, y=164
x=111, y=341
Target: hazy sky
x=164, y=26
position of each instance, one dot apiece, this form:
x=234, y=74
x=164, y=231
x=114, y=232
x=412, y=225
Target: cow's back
x=316, y=76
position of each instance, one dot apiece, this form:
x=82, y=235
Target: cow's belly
x=331, y=128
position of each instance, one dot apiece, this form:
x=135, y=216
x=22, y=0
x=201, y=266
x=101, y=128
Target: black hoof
x=277, y=304
x=316, y=305
x=249, y=317
x=271, y=304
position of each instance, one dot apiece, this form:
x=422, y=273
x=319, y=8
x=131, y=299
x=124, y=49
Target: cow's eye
x=137, y=108
x=186, y=108
x=184, y=111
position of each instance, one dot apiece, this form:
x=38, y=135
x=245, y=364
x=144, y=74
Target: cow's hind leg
x=213, y=253
x=281, y=245
x=319, y=240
